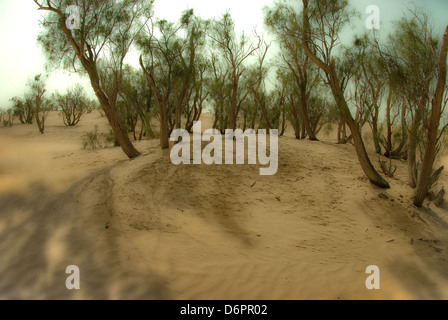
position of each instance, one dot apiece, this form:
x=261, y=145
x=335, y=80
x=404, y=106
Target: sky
x=21, y=58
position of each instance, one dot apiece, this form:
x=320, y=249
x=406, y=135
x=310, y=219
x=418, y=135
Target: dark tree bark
x=88, y=59
x=344, y=111
x=163, y=103
x=424, y=181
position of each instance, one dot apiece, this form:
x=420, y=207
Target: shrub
x=73, y=104
x=96, y=140
x=6, y=117
x=91, y=139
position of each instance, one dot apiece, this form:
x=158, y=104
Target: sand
x=147, y=229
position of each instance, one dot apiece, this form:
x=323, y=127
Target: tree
x=234, y=51
x=257, y=86
x=23, y=109
x=73, y=104
x=370, y=85
x=411, y=74
x=433, y=135
x=7, y=117
x=280, y=106
x=160, y=68
x=173, y=63
x=189, y=53
x=137, y=102
x=321, y=23
x=220, y=93
x=394, y=107
x=42, y=105
x=282, y=21
x=197, y=94
x=292, y=103
x=107, y=30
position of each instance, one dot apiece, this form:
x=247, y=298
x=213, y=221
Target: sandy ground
x=147, y=229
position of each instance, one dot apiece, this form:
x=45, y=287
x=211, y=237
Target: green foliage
x=96, y=140
x=91, y=139
x=23, y=109
x=73, y=104
x=6, y=117
x=328, y=129
x=110, y=137
x=108, y=25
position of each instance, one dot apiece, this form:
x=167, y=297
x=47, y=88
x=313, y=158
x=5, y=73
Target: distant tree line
x=36, y=105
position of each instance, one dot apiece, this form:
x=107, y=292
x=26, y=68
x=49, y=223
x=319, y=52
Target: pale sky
x=20, y=58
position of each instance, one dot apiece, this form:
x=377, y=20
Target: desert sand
x=147, y=229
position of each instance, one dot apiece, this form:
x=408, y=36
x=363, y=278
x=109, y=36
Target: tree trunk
x=254, y=120
x=306, y=118
x=215, y=123
x=389, y=128
x=38, y=121
x=164, y=139
x=244, y=121
x=120, y=133
x=38, y=102
x=344, y=111
x=283, y=126
x=344, y=133
x=179, y=105
x=433, y=130
x=117, y=126
x=339, y=131
x=295, y=120
x=376, y=134
x=412, y=146
x=233, y=102
x=303, y=127
x=263, y=111
x=398, y=152
x=162, y=102
x=297, y=130
x=361, y=152
x=119, y=130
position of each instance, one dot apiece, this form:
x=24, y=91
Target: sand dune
x=146, y=229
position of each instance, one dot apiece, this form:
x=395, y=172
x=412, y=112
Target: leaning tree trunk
x=119, y=130
x=120, y=133
x=108, y=106
x=424, y=180
x=361, y=152
x=344, y=111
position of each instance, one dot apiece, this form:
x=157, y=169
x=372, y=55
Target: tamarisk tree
x=321, y=23
x=103, y=30
x=433, y=135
